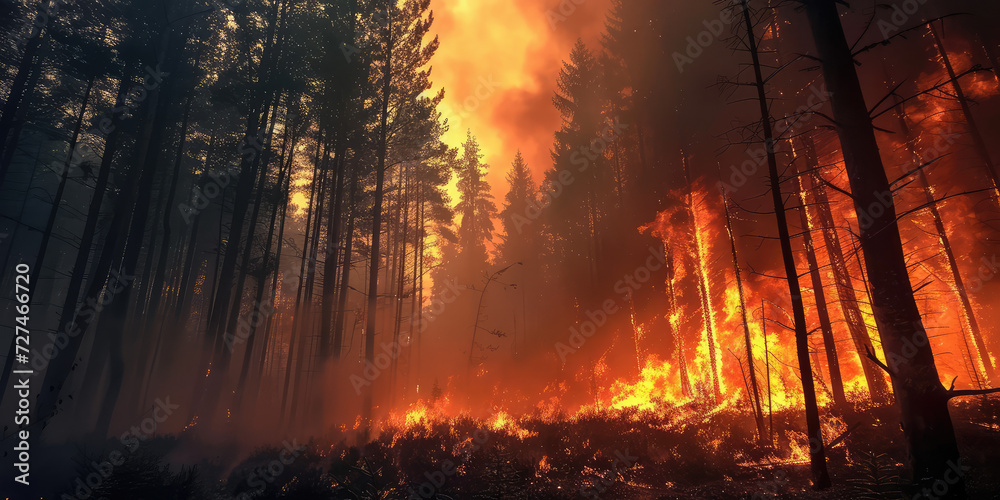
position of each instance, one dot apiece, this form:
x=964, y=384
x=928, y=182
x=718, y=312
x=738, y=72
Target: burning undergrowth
x=630, y=453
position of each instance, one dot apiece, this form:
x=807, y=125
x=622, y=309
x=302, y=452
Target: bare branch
x=870, y=355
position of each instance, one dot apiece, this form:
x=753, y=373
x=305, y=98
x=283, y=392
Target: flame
x=707, y=337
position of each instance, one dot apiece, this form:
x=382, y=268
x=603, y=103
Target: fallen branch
x=837, y=441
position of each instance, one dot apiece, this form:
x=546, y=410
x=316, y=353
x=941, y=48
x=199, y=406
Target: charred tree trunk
x=755, y=395
x=706, y=300
x=829, y=343
x=676, y=332
x=376, y=234
x=977, y=137
x=817, y=454
x=922, y=399
x=981, y=352
x=877, y=387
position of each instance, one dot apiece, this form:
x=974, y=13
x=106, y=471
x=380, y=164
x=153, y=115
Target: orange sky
x=498, y=62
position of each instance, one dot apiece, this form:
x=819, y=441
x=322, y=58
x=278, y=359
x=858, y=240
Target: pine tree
x=476, y=208
x=521, y=199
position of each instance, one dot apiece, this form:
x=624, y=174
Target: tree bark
x=755, y=396
x=877, y=388
x=959, y=285
x=700, y=275
x=817, y=454
x=376, y=234
x=922, y=399
x=829, y=343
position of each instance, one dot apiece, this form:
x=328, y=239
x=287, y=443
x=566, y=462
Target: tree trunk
x=817, y=454
x=877, y=387
x=977, y=137
x=271, y=319
x=366, y=409
x=63, y=179
x=922, y=399
x=829, y=343
x=10, y=138
x=755, y=396
x=332, y=245
x=18, y=88
x=678, y=335
x=299, y=309
x=959, y=285
x=306, y=326
x=152, y=326
x=345, y=269
x=148, y=148
x=700, y=275
x=259, y=307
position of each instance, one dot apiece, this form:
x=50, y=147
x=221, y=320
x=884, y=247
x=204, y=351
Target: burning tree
x=920, y=395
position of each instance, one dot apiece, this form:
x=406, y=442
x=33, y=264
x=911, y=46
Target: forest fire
x=379, y=249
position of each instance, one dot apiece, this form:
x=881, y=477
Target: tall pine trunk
x=701, y=276
x=822, y=313
x=376, y=234
x=817, y=454
x=748, y=345
x=856, y=326
x=980, y=353
x=922, y=399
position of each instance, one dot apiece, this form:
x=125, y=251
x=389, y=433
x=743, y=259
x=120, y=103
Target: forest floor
x=706, y=455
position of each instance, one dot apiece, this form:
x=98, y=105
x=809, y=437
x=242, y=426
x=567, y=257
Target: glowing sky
x=498, y=63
